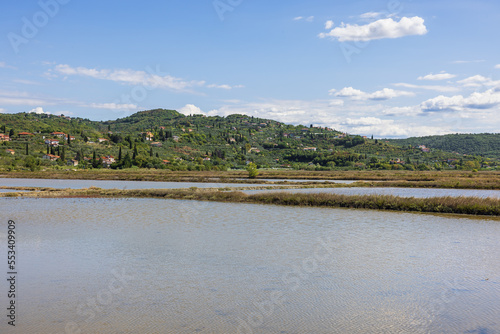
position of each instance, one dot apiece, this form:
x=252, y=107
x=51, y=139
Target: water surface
x=207, y=267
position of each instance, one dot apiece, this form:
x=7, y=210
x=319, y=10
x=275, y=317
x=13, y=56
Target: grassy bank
x=412, y=179
x=457, y=205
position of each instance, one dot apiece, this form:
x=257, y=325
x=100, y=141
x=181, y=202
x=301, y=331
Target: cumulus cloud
x=329, y=25
x=191, y=109
x=479, y=81
x=390, y=128
x=435, y=77
x=477, y=100
x=497, y=66
x=38, y=110
x=356, y=94
x=2, y=110
x=384, y=28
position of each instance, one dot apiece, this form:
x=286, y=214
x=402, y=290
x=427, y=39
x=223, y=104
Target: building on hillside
x=51, y=157
x=72, y=162
x=25, y=134
x=103, y=140
x=52, y=142
x=59, y=134
x=156, y=144
x=313, y=149
x=10, y=151
x=4, y=137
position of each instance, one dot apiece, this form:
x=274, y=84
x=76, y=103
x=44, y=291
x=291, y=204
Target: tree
x=151, y=152
x=63, y=154
x=69, y=139
x=11, y=133
x=27, y=149
x=134, y=155
x=32, y=163
x=120, y=154
x=252, y=170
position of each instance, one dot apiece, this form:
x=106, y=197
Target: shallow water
x=403, y=192
x=207, y=267
x=107, y=184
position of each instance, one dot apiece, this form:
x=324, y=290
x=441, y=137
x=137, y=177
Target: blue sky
x=387, y=68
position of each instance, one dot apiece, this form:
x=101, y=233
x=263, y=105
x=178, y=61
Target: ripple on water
x=219, y=267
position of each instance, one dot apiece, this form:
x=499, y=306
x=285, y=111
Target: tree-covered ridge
x=484, y=144
x=167, y=139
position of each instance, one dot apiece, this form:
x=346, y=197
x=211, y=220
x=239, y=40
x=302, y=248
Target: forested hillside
x=167, y=139
x=485, y=144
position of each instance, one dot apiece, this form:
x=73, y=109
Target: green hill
x=163, y=138
x=484, y=144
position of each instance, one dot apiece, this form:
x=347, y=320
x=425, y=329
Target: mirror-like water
x=168, y=266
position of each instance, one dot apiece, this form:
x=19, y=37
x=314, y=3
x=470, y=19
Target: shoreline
x=443, y=205
x=400, y=179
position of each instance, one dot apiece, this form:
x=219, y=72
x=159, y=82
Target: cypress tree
x=151, y=152
x=134, y=155
x=120, y=154
x=27, y=149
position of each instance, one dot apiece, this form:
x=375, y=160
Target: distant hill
x=484, y=144
x=144, y=120
x=163, y=138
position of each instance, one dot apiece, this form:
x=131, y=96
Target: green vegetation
x=457, y=205
x=484, y=144
x=167, y=140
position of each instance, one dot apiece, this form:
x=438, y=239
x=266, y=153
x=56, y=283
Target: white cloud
x=2, y=110
x=22, y=98
x=485, y=100
x=372, y=15
x=25, y=82
x=497, y=66
x=356, y=94
x=336, y=103
x=440, y=76
x=363, y=121
x=191, y=109
x=479, y=81
x=402, y=111
x=131, y=77
x=437, y=88
x=308, y=19
x=5, y=65
x=384, y=28
x=37, y=110
x=349, y=92
x=227, y=87
x=389, y=128
x=111, y=106
x=329, y=25
x=467, y=61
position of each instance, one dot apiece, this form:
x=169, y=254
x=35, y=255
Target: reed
x=456, y=205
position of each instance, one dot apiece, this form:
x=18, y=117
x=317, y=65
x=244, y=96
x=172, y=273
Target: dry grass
x=457, y=205
x=420, y=179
